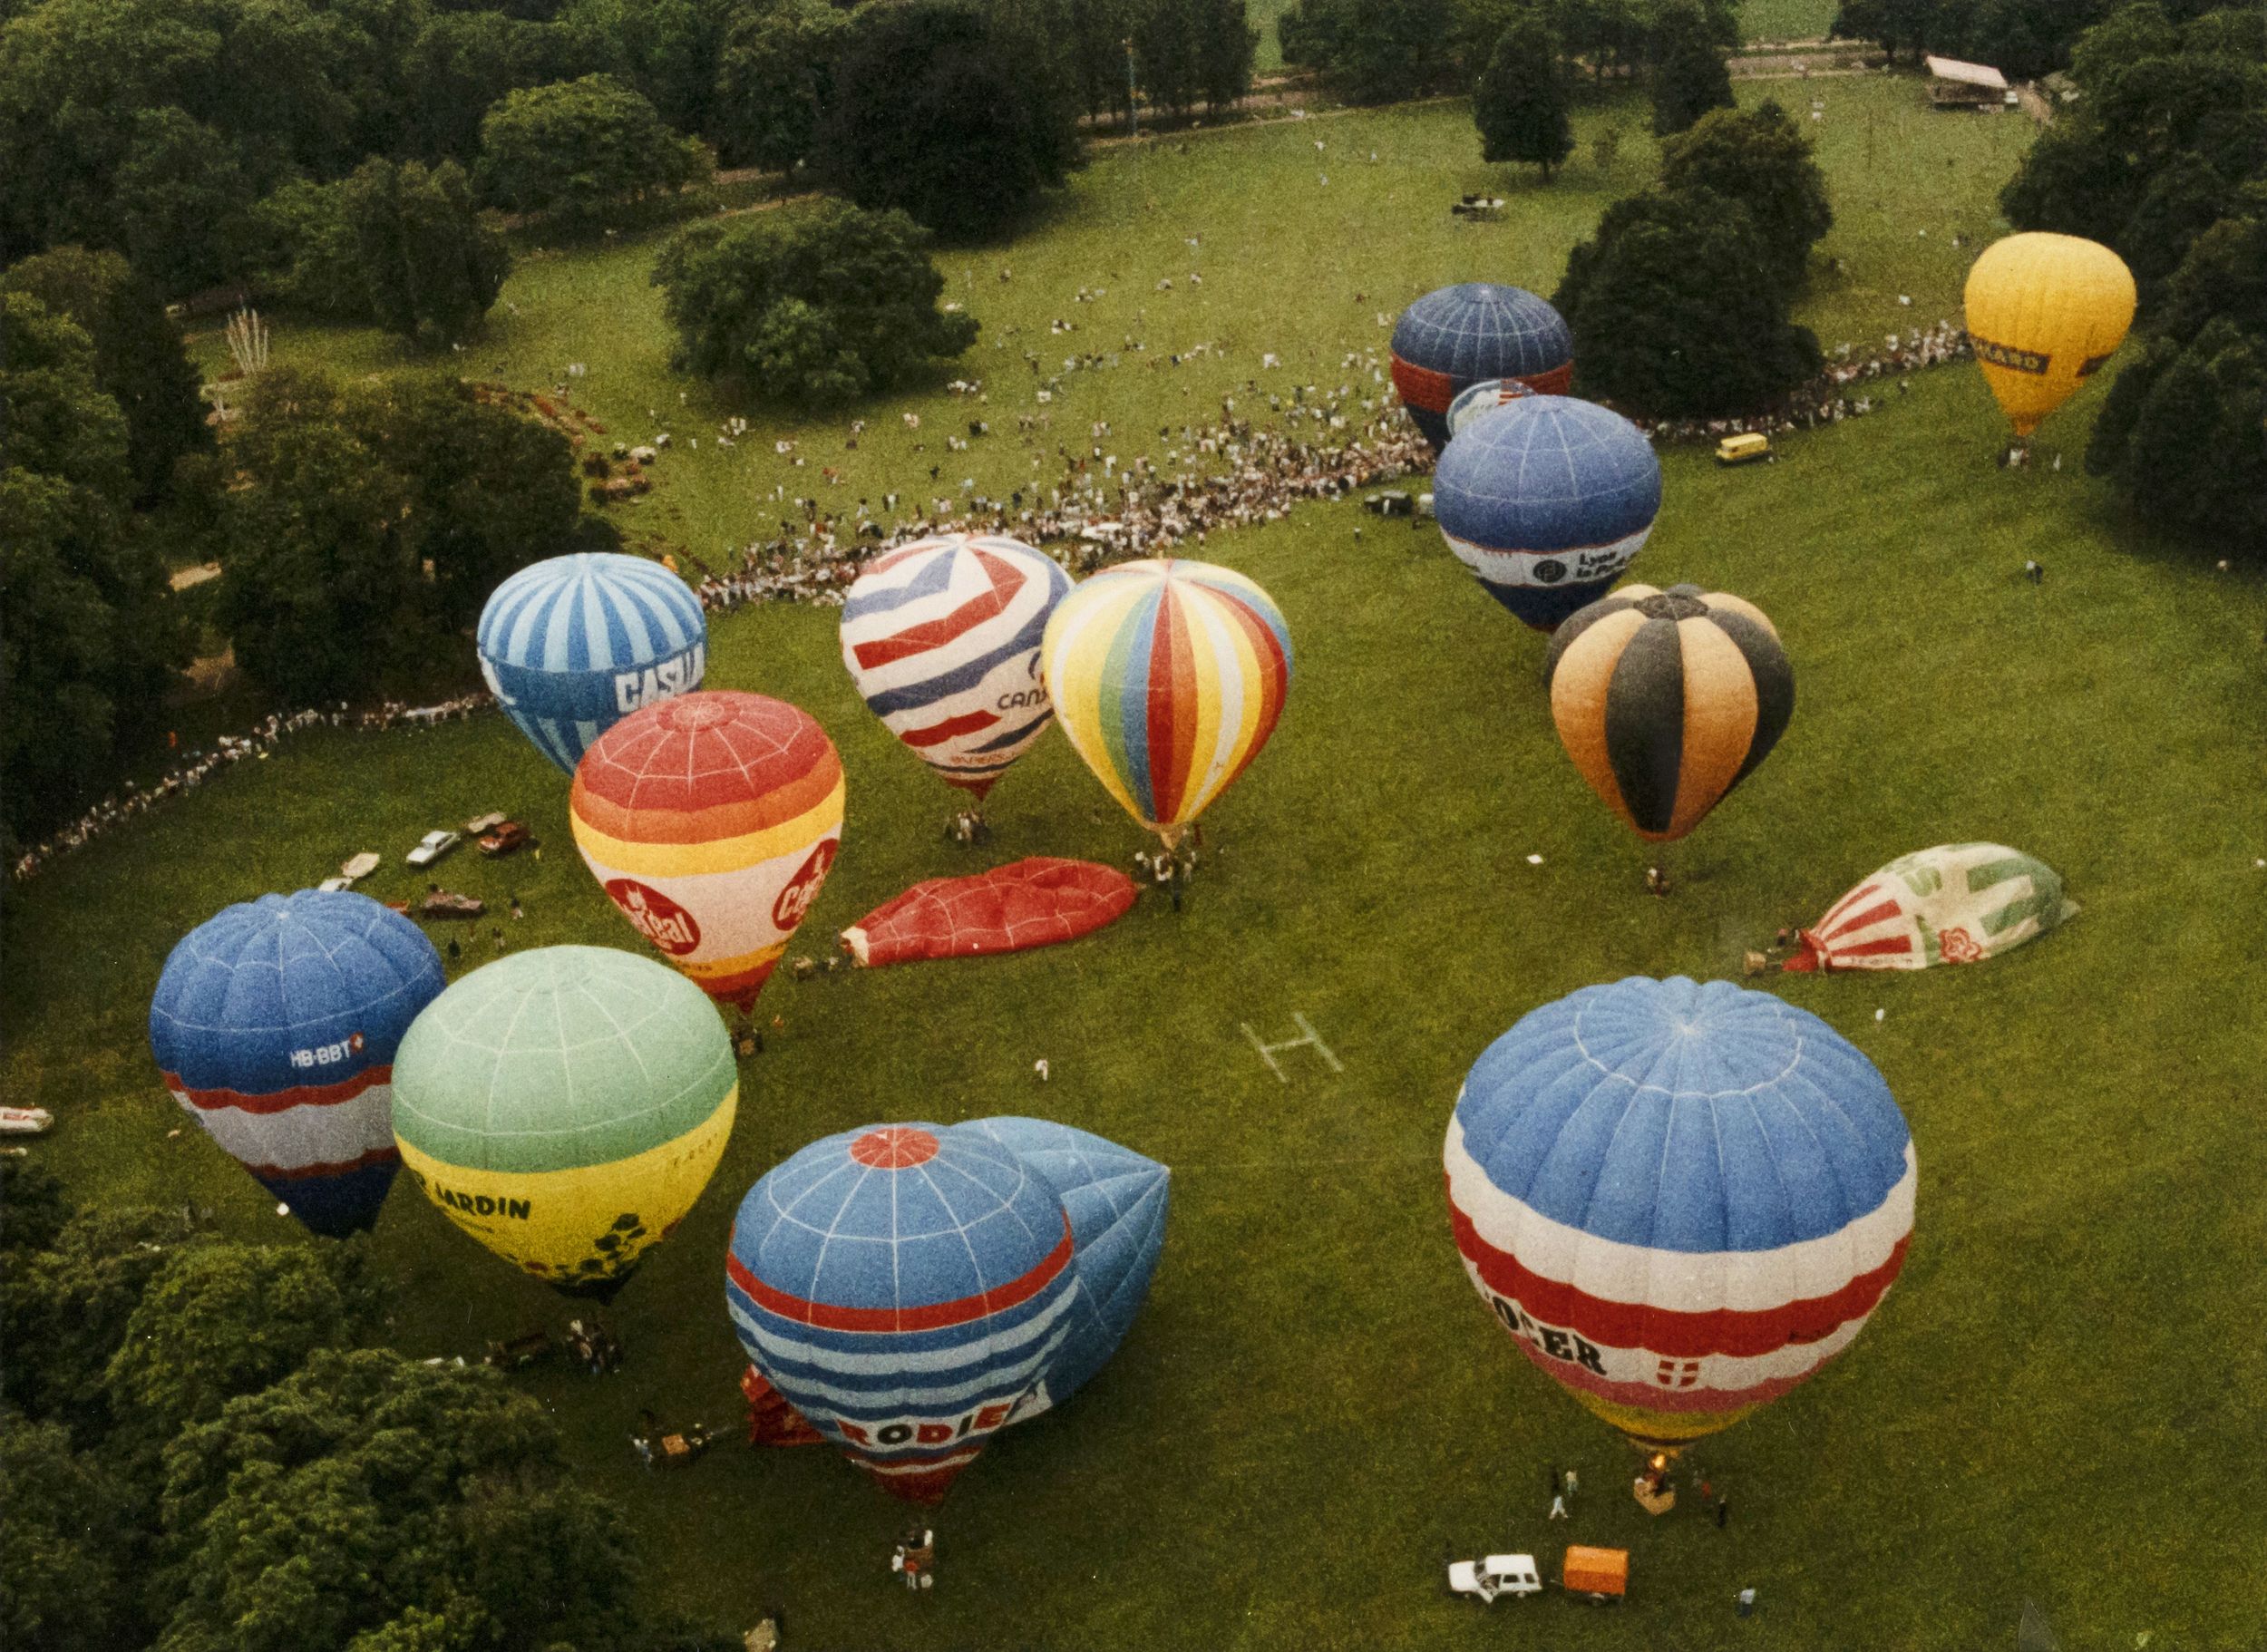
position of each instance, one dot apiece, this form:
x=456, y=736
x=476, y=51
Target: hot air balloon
x=1487, y=394
x=1665, y=700
x=1168, y=676
x=1546, y=500
x=572, y=646
x=565, y=1106
x=711, y=820
x=1956, y=903
x=1115, y=1199
x=2044, y=313
x=904, y=1286
x=1680, y=1201
x=275, y=1024
x=1456, y=336
x=942, y=640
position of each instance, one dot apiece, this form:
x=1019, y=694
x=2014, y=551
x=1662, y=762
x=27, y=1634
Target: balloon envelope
x=1168, y=676
x=2045, y=311
x=1547, y=500
x=1116, y=1200
x=1482, y=397
x=942, y=640
x=571, y=645
x=1680, y=1201
x=566, y=1106
x=1456, y=336
x=276, y=1024
x=1665, y=700
x=711, y=820
x=904, y=1286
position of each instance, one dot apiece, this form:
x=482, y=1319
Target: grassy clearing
x=1313, y=1405
x=1786, y=19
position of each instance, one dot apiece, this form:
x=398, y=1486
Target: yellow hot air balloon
x=2044, y=311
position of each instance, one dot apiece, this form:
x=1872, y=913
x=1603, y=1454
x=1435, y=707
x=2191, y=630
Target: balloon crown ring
x=682, y=713
x=1681, y=602
x=894, y=1147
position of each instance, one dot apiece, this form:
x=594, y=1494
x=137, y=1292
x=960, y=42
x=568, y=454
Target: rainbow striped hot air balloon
x=1665, y=700
x=276, y=1024
x=711, y=820
x=1456, y=336
x=1168, y=676
x=571, y=645
x=904, y=1286
x=1680, y=1201
x=1116, y=1200
x=942, y=639
x=565, y=1106
x=1547, y=500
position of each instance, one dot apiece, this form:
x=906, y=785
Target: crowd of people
x=187, y=773
x=1099, y=509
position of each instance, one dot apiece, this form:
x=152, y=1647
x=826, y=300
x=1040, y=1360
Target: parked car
x=448, y=903
x=1499, y=1574
x=481, y=823
x=507, y=836
x=432, y=846
x=1744, y=449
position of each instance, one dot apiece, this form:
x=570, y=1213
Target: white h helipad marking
x=1309, y=1039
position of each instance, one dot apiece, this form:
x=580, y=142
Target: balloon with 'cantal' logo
x=566, y=1106
x=711, y=820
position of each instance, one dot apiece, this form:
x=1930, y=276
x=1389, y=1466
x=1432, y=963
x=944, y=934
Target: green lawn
x=1786, y=19
x=2057, y=1401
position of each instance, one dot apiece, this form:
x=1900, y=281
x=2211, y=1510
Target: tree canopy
x=1521, y=105
x=1689, y=78
x=1762, y=161
x=580, y=148
x=819, y=305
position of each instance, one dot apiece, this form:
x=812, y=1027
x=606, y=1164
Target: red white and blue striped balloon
x=1680, y=1201
x=1483, y=397
x=905, y=1285
x=942, y=639
x=275, y=1024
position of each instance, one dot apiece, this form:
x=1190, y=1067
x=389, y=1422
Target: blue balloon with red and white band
x=571, y=645
x=1456, y=336
x=1470, y=403
x=275, y=1024
x=905, y=1286
x=941, y=639
x=1547, y=500
x=1116, y=1200
x=1680, y=1201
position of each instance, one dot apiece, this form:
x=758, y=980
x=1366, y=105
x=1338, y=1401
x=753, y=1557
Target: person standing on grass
x=1573, y=1484
x=1723, y=1512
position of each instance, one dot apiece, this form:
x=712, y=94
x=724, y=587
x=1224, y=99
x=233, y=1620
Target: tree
x=489, y=492
x=34, y=1209
x=62, y=1533
x=1191, y=51
x=216, y=1321
x=965, y=141
x=1763, y=161
x=581, y=148
x=138, y=360
x=1689, y=78
x=1520, y=104
x=1373, y=51
x=181, y=200
x=370, y=1496
x=2184, y=435
x=91, y=638
x=430, y=267
x=775, y=77
x=821, y=303
x=1668, y=317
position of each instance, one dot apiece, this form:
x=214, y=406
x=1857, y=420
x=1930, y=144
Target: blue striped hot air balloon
x=904, y=1286
x=1547, y=500
x=1116, y=1201
x=275, y=1024
x=1456, y=336
x=1680, y=1201
x=942, y=639
x=571, y=645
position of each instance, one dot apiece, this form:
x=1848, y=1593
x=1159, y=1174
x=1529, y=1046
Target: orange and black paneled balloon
x=1665, y=700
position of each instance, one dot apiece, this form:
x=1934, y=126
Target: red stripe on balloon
x=280, y=1101
x=937, y=734
x=1895, y=946
x=926, y=1487
x=1859, y=920
x=935, y=1317
x=1555, y=382
x=1173, y=705
x=1422, y=387
x=307, y=1172
x=1007, y=580
x=1668, y=1331
x=1652, y=1396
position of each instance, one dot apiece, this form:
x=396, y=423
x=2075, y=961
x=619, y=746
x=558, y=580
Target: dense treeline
x=199, y=1450
x=2163, y=158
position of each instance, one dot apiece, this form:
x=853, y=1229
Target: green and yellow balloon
x=565, y=1107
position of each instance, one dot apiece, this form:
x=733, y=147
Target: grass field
x=2059, y=1399
x=1786, y=19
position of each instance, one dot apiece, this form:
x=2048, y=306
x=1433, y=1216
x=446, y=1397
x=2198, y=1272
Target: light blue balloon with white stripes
x=571, y=645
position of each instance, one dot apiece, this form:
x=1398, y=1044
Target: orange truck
x=1602, y=1574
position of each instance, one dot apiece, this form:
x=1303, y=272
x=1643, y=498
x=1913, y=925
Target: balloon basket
x=1651, y=1501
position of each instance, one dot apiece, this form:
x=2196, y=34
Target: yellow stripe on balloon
x=567, y=1226
x=715, y=969
x=1663, y=1427
x=1078, y=692
x=720, y=854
